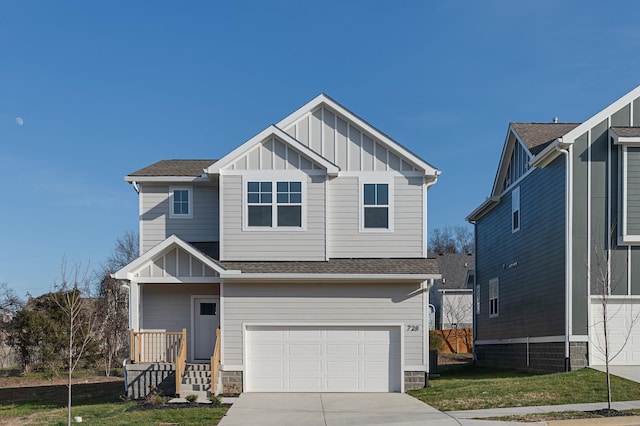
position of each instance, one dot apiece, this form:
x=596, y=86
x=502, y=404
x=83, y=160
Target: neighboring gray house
x=452, y=295
x=306, y=246
x=542, y=242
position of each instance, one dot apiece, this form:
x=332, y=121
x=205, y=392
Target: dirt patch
x=25, y=382
x=454, y=359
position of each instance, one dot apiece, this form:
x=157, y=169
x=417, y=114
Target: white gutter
x=327, y=277
x=568, y=252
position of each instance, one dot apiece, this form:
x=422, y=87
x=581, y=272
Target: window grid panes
x=283, y=210
x=376, y=205
x=180, y=202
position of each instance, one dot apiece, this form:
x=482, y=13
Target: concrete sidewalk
x=513, y=411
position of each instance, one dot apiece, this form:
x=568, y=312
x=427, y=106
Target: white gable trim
x=129, y=271
x=218, y=166
x=384, y=139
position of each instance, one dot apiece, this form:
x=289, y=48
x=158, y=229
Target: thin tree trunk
x=70, y=369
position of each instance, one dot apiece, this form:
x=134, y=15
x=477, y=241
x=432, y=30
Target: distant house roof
x=454, y=268
x=175, y=168
x=537, y=136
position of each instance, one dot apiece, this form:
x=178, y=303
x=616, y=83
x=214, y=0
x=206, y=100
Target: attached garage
x=624, y=332
x=323, y=358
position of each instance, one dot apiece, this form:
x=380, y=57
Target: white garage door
x=323, y=359
x=624, y=332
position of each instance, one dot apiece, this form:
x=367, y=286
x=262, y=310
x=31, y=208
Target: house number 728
x=413, y=328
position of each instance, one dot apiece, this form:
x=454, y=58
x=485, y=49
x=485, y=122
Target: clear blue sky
x=91, y=91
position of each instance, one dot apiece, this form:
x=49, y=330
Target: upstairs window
x=494, y=292
x=181, y=203
x=376, y=206
x=515, y=210
x=259, y=203
x=269, y=211
x=289, y=203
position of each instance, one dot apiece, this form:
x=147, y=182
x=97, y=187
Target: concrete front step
x=196, y=381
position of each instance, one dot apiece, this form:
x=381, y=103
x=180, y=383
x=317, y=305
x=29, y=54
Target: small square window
x=207, y=308
x=180, y=199
x=376, y=205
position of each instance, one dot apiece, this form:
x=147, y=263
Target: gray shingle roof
x=339, y=266
x=454, y=268
x=333, y=266
x=628, y=132
x=175, y=168
x=537, y=136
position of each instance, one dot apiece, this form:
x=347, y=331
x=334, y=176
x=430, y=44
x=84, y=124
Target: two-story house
x=560, y=230
x=305, y=246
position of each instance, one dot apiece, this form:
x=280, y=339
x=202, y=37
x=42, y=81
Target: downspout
x=135, y=186
x=568, y=254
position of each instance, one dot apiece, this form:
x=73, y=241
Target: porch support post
x=134, y=306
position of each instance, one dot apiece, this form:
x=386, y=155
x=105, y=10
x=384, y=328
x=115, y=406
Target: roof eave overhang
x=624, y=140
x=178, y=179
x=483, y=209
x=327, y=277
x=550, y=153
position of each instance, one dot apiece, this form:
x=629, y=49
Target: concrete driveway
x=629, y=372
x=332, y=409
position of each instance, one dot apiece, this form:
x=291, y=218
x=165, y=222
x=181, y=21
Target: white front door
x=206, y=320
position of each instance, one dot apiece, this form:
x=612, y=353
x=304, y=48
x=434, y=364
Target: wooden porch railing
x=181, y=361
x=156, y=346
x=215, y=363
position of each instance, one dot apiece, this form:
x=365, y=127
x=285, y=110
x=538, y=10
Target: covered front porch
x=174, y=319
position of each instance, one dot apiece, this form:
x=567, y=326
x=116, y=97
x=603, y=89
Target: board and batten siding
x=240, y=243
x=529, y=264
x=321, y=304
x=167, y=307
x=346, y=239
x=345, y=144
x=156, y=225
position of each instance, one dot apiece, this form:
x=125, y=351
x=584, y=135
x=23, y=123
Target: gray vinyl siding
x=167, y=307
x=339, y=303
x=580, y=235
x=529, y=264
x=347, y=240
x=278, y=243
x=633, y=190
x=156, y=225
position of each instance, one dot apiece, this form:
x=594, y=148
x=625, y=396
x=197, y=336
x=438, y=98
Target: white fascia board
x=501, y=164
x=551, y=152
x=181, y=179
x=272, y=130
x=128, y=272
x=624, y=140
x=328, y=277
x=176, y=280
x=483, y=209
x=316, y=102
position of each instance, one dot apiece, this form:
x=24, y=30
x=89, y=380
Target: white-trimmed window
x=181, y=203
x=494, y=297
x=376, y=207
x=515, y=209
x=268, y=211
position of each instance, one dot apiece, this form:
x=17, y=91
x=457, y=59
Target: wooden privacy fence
x=156, y=346
x=455, y=341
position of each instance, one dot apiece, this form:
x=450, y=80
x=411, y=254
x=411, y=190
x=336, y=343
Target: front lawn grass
x=116, y=414
x=469, y=387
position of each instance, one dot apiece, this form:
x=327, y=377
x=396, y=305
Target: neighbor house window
x=494, y=292
x=515, y=210
x=376, y=205
x=181, y=203
x=282, y=210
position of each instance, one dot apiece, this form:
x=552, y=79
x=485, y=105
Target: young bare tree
x=603, y=279
x=79, y=317
x=112, y=301
x=10, y=304
x=456, y=239
x=456, y=311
